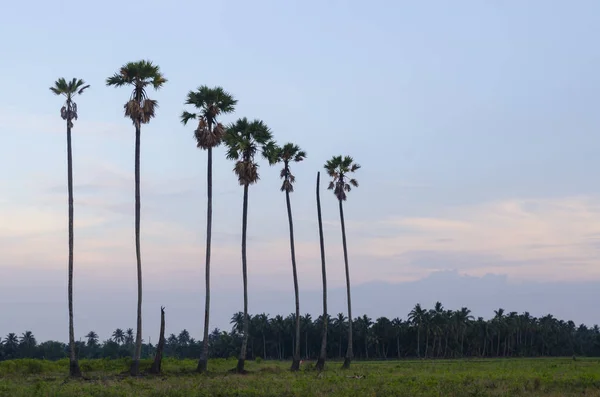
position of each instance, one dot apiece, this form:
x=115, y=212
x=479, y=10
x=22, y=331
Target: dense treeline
x=432, y=334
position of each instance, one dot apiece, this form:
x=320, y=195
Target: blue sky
x=475, y=123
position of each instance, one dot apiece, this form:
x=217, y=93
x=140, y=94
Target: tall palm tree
x=244, y=139
x=209, y=103
x=339, y=169
x=69, y=89
x=323, y=353
x=286, y=154
x=140, y=109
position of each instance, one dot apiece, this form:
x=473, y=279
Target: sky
x=475, y=123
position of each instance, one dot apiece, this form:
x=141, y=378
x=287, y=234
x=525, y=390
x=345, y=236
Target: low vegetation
x=493, y=377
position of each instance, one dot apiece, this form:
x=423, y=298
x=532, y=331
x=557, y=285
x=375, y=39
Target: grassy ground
x=510, y=377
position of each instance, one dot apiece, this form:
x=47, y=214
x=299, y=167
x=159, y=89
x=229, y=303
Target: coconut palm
x=118, y=336
x=140, y=109
x=286, y=154
x=417, y=317
x=244, y=139
x=339, y=169
x=323, y=353
x=209, y=103
x=69, y=89
x=92, y=338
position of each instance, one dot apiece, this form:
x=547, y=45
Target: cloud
x=528, y=238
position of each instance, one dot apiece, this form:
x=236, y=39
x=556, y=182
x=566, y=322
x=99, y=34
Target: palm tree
x=243, y=140
x=140, y=109
x=286, y=154
x=323, y=353
x=416, y=316
x=118, y=336
x=69, y=113
x=339, y=168
x=92, y=338
x=339, y=323
x=129, y=337
x=210, y=102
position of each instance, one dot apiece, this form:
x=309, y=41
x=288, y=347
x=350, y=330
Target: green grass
x=504, y=377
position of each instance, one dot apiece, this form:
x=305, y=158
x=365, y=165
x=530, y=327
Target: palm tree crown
x=286, y=154
x=338, y=168
x=69, y=89
x=210, y=102
x=244, y=139
x=140, y=75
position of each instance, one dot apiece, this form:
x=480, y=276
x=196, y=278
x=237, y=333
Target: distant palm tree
x=210, y=102
x=339, y=168
x=243, y=140
x=129, y=336
x=69, y=113
x=286, y=154
x=339, y=324
x=27, y=340
x=118, y=336
x=92, y=338
x=11, y=344
x=323, y=353
x=140, y=109
x=417, y=316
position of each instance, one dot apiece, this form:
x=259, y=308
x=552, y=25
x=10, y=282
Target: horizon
x=478, y=154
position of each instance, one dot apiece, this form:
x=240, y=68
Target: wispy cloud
x=522, y=235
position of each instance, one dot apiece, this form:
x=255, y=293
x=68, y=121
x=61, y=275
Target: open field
x=502, y=377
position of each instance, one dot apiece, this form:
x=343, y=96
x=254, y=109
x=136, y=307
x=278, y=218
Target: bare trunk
x=203, y=362
x=419, y=340
x=426, y=341
x=349, y=354
x=296, y=358
x=156, y=365
x=135, y=364
x=242, y=358
x=74, y=370
x=323, y=353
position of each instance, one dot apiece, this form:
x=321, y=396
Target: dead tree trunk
x=155, y=369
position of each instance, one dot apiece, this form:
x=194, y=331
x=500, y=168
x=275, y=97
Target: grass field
x=502, y=377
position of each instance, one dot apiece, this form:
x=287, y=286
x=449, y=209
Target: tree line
x=436, y=333
x=246, y=141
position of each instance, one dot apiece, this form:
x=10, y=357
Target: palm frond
x=187, y=116
x=82, y=89
x=117, y=80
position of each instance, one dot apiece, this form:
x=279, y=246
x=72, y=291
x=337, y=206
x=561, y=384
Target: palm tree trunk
x=419, y=340
x=426, y=341
x=135, y=364
x=74, y=370
x=203, y=362
x=349, y=354
x=156, y=365
x=242, y=358
x=323, y=353
x=296, y=358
